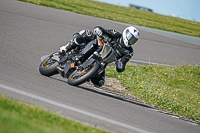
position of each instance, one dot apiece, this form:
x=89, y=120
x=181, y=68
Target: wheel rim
x=48, y=62
x=79, y=73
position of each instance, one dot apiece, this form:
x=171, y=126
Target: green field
x=176, y=89
x=124, y=14
x=18, y=117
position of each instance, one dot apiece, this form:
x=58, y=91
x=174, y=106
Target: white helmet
x=130, y=36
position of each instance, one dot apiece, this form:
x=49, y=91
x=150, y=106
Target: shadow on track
x=97, y=91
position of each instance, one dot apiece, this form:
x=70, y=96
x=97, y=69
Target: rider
x=121, y=42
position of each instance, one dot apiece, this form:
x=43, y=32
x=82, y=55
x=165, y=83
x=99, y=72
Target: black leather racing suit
x=124, y=53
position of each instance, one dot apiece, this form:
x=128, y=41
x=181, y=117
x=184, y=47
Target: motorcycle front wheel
x=80, y=76
x=48, y=66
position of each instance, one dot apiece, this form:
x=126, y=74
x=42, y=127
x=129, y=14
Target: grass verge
x=124, y=14
x=176, y=89
x=18, y=117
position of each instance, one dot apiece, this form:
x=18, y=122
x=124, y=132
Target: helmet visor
x=130, y=37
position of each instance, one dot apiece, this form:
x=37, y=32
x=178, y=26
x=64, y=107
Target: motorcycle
x=79, y=72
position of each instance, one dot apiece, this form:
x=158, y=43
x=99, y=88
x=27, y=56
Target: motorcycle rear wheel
x=48, y=66
x=80, y=76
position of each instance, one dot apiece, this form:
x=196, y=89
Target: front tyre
x=80, y=76
x=48, y=67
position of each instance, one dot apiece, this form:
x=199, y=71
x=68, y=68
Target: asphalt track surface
x=27, y=32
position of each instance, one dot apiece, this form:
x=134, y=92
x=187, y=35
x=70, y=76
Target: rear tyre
x=48, y=67
x=80, y=76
